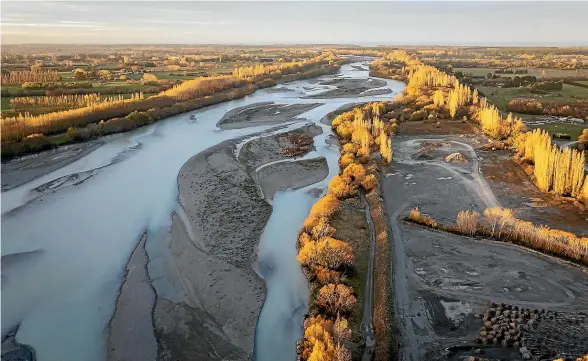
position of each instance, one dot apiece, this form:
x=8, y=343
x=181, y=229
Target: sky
x=295, y=22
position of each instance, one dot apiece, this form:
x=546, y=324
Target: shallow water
x=63, y=297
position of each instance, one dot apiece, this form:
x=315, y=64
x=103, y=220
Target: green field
x=5, y=103
x=531, y=71
x=572, y=129
x=501, y=96
x=165, y=75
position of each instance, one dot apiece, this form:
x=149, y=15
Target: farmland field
x=501, y=96
x=572, y=129
x=539, y=73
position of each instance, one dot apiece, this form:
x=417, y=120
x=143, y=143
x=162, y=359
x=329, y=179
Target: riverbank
x=213, y=252
x=28, y=168
x=262, y=114
x=347, y=88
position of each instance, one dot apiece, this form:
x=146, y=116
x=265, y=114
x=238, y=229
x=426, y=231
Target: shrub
x=355, y=172
x=322, y=229
x=467, y=222
x=325, y=276
x=497, y=219
x=369, y=182
x=418, y=115
x=502, y=225
x=328, y=252
x=326, y=206
x=341, y=187
x=345, y=160
x=336, y=299
x=416, y=216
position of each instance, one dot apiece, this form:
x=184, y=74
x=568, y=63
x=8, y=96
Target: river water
x=72, y=243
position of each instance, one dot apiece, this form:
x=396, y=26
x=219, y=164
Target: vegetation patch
x=501, y=224
x=127, y=114
x=441, y=95
x=328, y=263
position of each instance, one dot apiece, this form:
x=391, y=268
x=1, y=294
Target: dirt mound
x=456, y=158
x=423, y=156
x=433, y=144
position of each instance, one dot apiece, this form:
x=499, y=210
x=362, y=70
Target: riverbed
x=68, y=235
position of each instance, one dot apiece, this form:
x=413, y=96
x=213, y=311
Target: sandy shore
x=25, y=169
x=131, y=332
x=348, y=88
x=263, y=113
x=291, y=175
x=264, y=150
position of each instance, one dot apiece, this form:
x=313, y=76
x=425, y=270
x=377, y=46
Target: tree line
x=18, y=77
x=128, y=114
x=48, y=104
x=324, y=259
x=502, y=224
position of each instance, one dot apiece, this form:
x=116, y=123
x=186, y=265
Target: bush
x=341, y=187
x=328, y=252
x=467, y=222
x=336, y=299
x=418, y=115
x=345, y=160
x=416, y=216
x=369, y=182
x=355, y=172
x=326, y=206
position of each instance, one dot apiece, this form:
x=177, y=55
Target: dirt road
x=367, y=323
x=441, y=280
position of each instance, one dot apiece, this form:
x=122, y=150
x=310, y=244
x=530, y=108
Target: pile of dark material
x=557, y=335
x=503, y=324
x=538, y=334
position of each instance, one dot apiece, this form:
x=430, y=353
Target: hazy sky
x=363, y=23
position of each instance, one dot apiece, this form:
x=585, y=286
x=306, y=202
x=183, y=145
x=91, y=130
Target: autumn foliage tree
x=35, y=76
